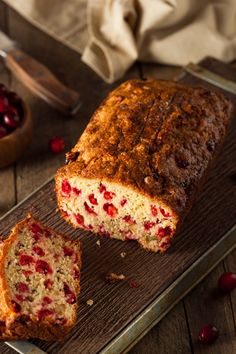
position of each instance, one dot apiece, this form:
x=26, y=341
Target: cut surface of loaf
x=138, y=166
x=39, y=281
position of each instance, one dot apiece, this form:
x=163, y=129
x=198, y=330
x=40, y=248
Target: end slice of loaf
x=137, y=168
x=39, y=282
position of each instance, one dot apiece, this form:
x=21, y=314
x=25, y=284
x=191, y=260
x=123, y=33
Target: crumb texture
x=149, y=145
x=40, y=272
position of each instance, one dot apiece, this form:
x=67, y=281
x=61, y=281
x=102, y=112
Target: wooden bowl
x=13, y=144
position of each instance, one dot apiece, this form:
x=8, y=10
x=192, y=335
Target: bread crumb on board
x=123, y=254
x=89, y=302
x=113, y=277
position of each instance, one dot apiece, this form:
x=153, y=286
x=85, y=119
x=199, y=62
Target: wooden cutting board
x=120, y=313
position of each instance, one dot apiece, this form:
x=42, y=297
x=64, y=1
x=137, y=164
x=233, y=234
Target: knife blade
x=24, y=347
x=37, y=77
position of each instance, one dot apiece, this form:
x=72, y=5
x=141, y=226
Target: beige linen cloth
x=112, y=34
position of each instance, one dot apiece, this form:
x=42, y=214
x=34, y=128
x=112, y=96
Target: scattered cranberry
x=165, y=213
x=92, y=199
x=133, y=284
x=57, y=144
x=20, y=297
x=38, y=250
x=153, y=210
x=148, y=225
x=110, y=209
x=46, y=300
x=36, y=229
x=89, y=209
x=26, y=260
x=164, y=231
x=48, y=284
x=129, y=220
x=79, y=219
x=11, y=120
x=108, y=195
x=22, y=287
x=208, y=334
x=102, y=188
x=68, y=251
x=76, y=191
x=3, y=131
x=44, y=313
x=16, y=307
x=227, y=282
x=43, y=267
x=123, y=202
x=27, y=273
x=70, y=296
x=65, y=187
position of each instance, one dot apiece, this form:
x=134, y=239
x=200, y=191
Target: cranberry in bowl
x=15, y=126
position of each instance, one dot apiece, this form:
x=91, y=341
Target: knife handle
x=42, y=82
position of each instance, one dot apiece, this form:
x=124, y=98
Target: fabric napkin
x=112, y=34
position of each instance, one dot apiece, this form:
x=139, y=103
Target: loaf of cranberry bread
x=135, y=171
x=39, y=282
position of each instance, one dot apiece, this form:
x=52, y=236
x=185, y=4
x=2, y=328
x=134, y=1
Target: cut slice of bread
x=39, y=281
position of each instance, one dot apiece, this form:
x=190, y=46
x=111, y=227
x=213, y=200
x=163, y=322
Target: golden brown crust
x=157, y=137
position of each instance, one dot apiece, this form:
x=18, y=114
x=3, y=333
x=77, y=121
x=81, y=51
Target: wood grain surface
x=177, y=333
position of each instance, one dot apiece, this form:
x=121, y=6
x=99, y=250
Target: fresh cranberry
x=35, y=228
x=44, y=313
x=57, y=144
x=3, y=103
x=129, y=220
x=47, y=233
x=133, y=284
x=227, y=282
x=43, y=267
x=148, y=225
x=20, y=297
x=79, y=219
x=110, y=209
x=76, y=191
x=108, y=195
x=27, y=272
x=46, y=300
x=13, y=98
x=26, y=260
x=16, y=307
x=3, y=131
x=102, y=188
x=92, y=199
x=38, y=250
x=11, y=120
x=154, y=210
x=68, y=251
x=164, y=231
x=3, y=89
x=70, y=296
x=208, y=334
x=165, y=213
x=123, y=202
x=65, y=187
x=22, y=287
x=48, y=284
x=89, y=209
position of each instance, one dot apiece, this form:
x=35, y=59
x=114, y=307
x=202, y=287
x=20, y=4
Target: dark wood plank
x=169, y=336
x=3, y=17
x=230, y=266
x=204, y=306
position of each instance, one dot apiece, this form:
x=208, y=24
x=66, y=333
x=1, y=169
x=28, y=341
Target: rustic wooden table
x=178, y=331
